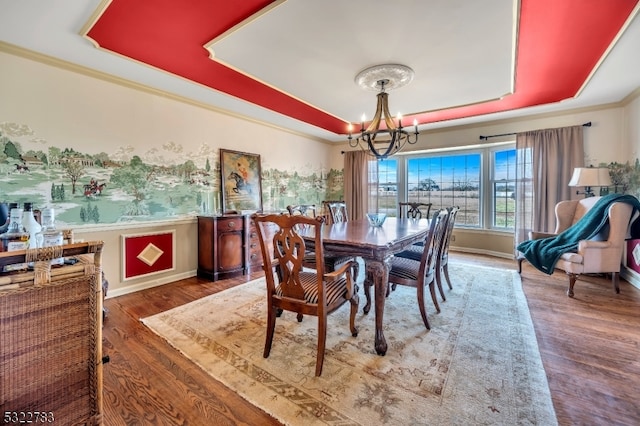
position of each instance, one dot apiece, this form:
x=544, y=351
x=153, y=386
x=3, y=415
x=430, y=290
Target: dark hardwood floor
x=590, y=347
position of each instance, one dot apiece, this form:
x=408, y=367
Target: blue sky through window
x=450, y=168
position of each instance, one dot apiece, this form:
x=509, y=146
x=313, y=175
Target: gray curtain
x=356, y=183
x=544, y=165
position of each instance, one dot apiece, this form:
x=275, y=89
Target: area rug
x=479, y=363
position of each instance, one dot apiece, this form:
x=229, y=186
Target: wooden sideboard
x=228, y=246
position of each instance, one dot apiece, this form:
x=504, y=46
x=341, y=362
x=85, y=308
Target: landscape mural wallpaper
x=117, y=184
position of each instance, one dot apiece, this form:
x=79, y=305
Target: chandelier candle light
x=384, y=77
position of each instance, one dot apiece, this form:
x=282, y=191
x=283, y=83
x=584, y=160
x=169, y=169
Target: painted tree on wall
x=134, y=179
x=74, y=170
x=101, y=159
x=11, y=150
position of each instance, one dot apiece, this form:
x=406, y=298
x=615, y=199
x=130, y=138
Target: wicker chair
x=51, y=335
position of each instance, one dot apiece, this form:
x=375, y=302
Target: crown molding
x=69, y=66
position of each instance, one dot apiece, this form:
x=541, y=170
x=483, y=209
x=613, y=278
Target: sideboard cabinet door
x=221, y=246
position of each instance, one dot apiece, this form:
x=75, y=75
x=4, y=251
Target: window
x=481, y=181
x=383, y=186
x=503, y=188
x=447, y=180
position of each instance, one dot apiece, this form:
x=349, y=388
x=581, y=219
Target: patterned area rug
x=479, y=364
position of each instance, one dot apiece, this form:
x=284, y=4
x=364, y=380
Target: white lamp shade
x=590, y=176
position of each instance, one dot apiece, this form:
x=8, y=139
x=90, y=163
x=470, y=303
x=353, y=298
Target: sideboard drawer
x=230, y=224
x=254, y=252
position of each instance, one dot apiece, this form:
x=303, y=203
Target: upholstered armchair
x=602, y=252
x=567, y=214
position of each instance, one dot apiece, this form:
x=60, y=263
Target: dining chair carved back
x=325, y=209
x=293, y=288
x=332, y=262
x=422, y=273
x=302, y=209
x=338, y=212
x=414, y=210
x=308, y=210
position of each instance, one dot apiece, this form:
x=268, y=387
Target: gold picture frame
x=240, y=181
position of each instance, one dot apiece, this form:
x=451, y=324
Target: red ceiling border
x=559, y=44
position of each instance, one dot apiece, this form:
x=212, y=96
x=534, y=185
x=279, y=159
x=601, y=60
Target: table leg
x=378, y=272
x=368, y=282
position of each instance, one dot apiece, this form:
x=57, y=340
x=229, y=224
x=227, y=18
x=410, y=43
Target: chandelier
x=381, y=143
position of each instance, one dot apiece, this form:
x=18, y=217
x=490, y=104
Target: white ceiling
x=315, y=59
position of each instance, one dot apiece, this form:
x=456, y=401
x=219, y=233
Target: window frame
x=491, y=181
x=447, y=153
x=486, y=179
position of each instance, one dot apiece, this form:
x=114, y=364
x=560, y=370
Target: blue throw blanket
x=545, y=252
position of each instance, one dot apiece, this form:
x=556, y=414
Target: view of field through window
x=461, y=179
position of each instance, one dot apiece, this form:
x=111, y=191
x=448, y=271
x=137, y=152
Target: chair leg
x=572, y=281
x=271, y=325
x=356, y=271
x=520, y=259
x=421, y=305
x=355, y=299
x=446, y=275
x=432, y=289
x=616, y=281
x=299, y=317
x=322, y=339
x=439, y=283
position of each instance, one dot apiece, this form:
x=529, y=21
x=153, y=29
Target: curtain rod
x=484, y=138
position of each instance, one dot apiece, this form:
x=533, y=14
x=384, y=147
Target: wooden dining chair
x=325, y=209
x=292, y=288
x=302, y=209
x=442, y=264
x=414, y=210
x=332, y=262
x=337, y=212
x=420, y=274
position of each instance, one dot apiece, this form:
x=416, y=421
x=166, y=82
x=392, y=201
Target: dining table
x=375, y=245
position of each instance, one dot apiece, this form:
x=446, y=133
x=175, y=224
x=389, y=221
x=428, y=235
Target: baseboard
x=631, y=276
x=484, y=252
x=150, y=284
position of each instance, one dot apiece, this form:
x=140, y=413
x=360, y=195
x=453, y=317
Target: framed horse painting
x=240, y=181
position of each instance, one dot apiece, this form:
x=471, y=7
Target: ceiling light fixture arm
x=398, y=137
